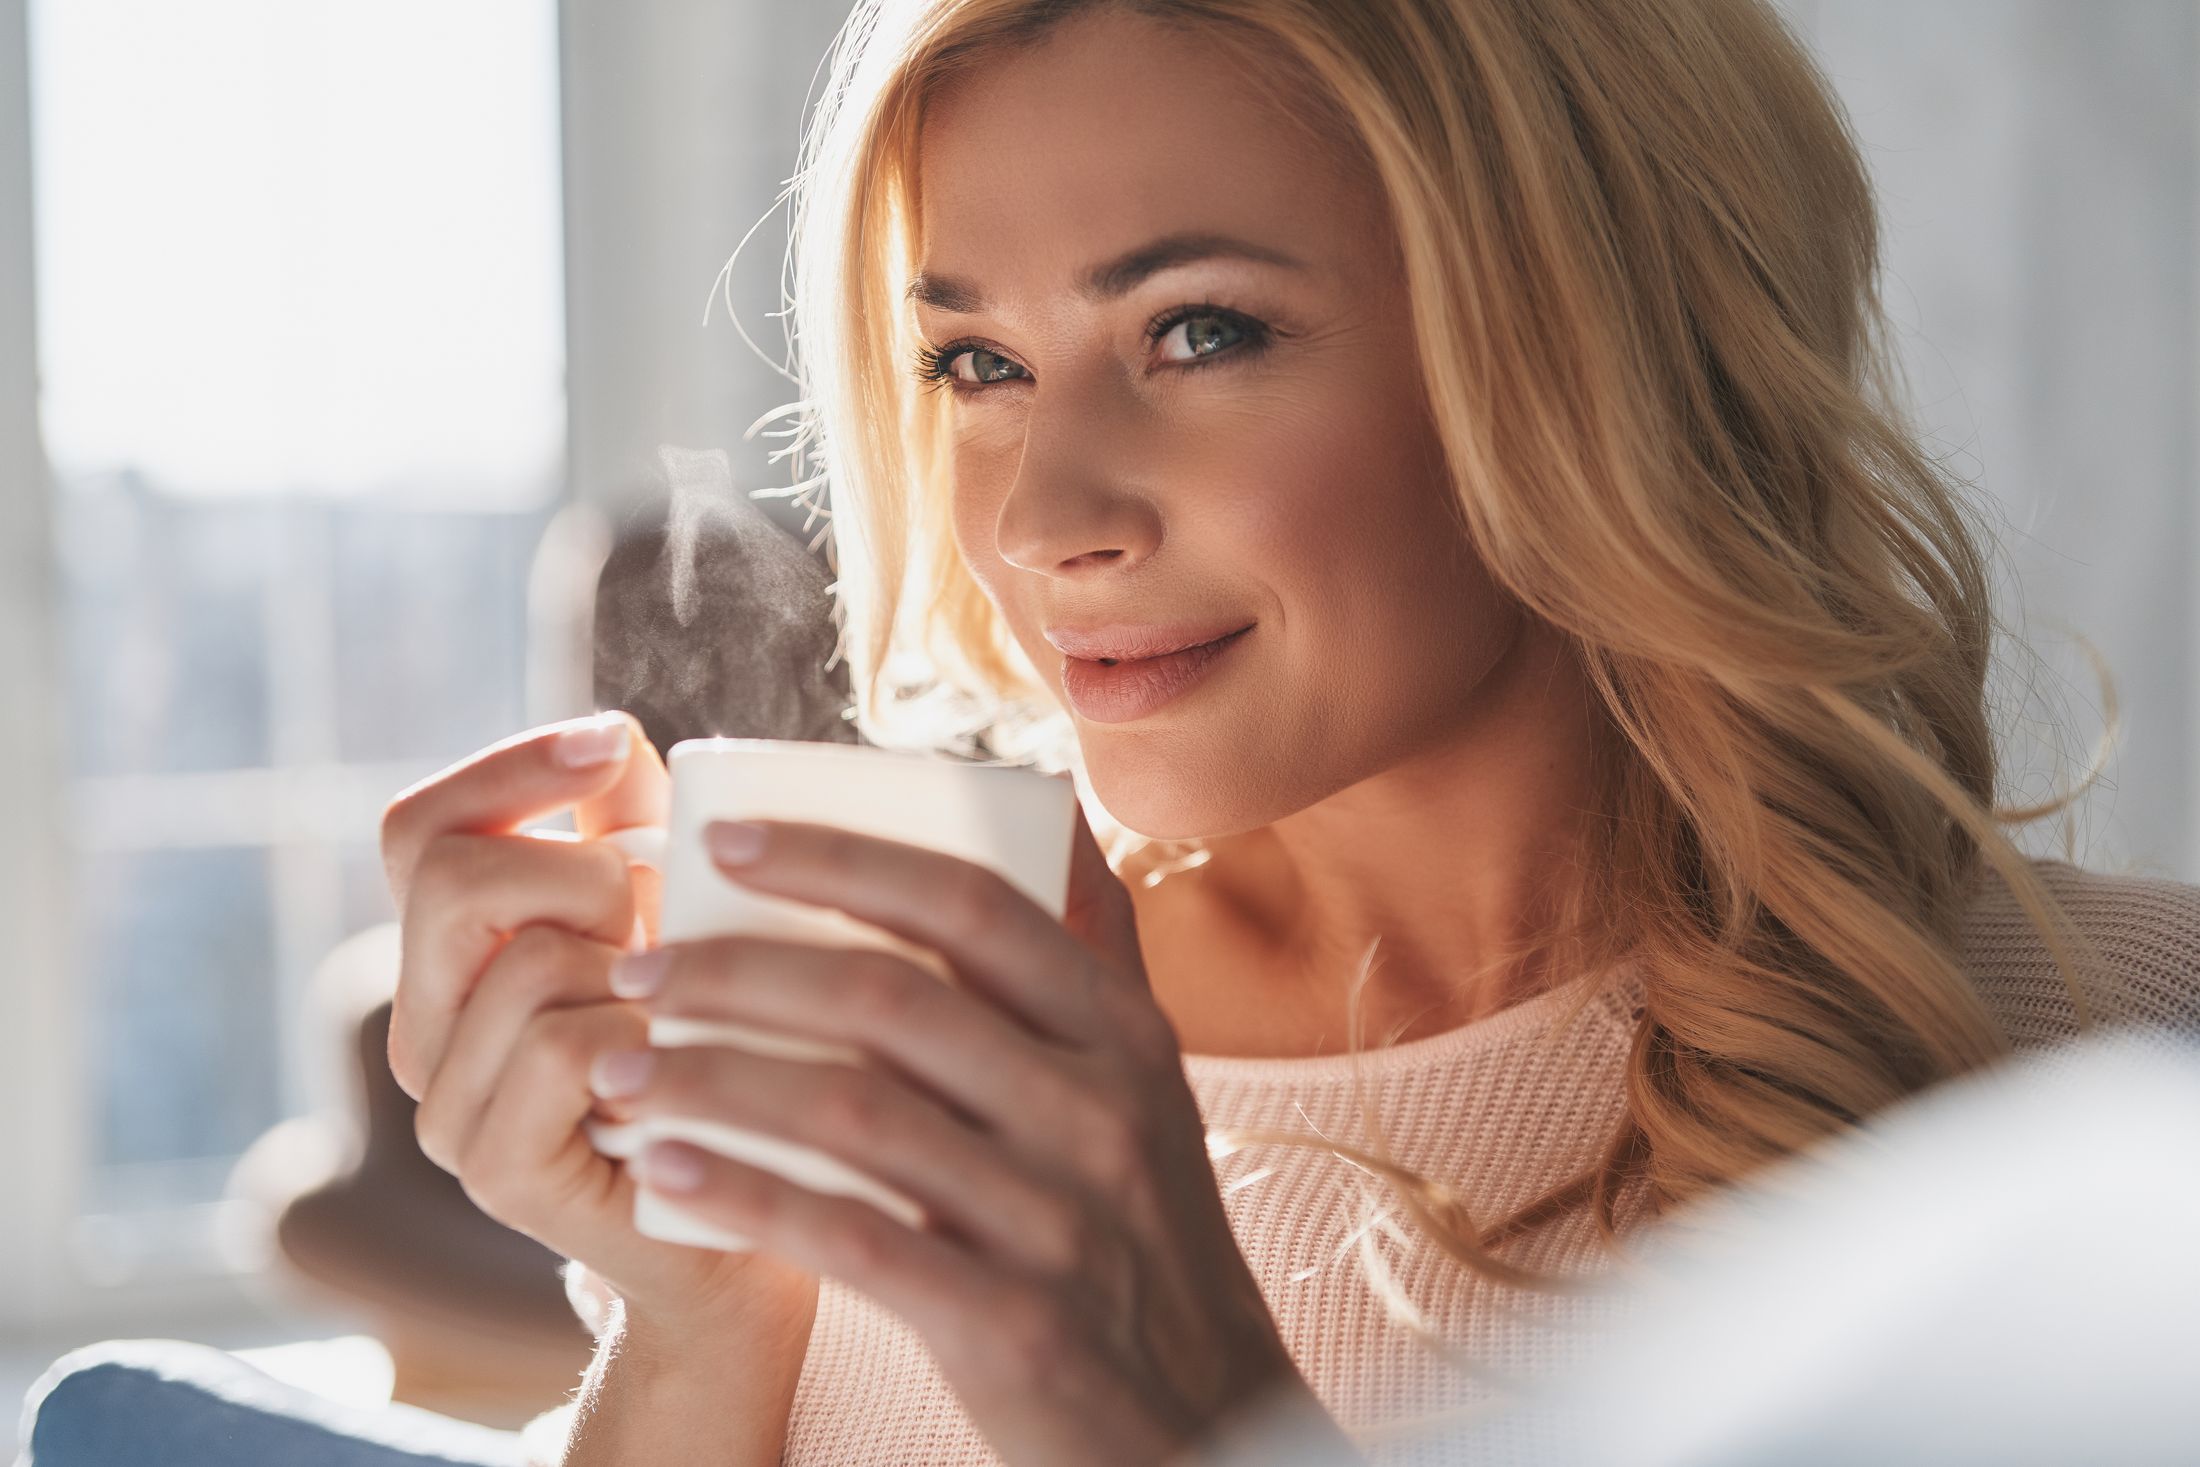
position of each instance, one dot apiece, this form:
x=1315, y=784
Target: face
x=1195, y=442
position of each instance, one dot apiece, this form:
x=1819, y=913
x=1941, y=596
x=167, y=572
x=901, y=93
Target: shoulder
x=2143, y=970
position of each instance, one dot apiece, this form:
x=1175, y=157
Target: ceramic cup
x=1013, y=820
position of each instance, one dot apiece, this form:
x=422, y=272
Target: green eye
x=985, y=366
x=1203, y=334
x=944, y=365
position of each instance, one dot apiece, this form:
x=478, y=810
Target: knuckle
x=763, y=1208
x=537, y=961
x=556, y=1045
x=1112, y=1147
x=609, y=870
x=881, y=990
x=852, y=1109
x=836, y=852
x=1036, y=1335
x=1067, y=1237
x=397, y=814
x=446, y=864
x=682, y=1082
x=403, y=831
x=863, y=1246
x=399, y=1052
x=439, y=852
x=487, y=1181
x=973, y=900
x=533, y=946
x=396, y=831
x=428, y=1135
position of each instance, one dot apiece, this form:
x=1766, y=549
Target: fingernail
x=590, y=744
x=638, y=975
x=620, y=1073
x=636, y=940
x=733, y=842
x=670, y=1167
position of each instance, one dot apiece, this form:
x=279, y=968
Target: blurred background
x=338, y=341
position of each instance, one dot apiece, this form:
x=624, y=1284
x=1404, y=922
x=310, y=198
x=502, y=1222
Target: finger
x=527, y=1161
x=649, y=902
x=470, y=894
x=541, y=967
x=940, y=1290
x=997, y=939
x=953, y=1044
x=877, y=1125
x=499, y=789
x=1098, y=909
x=641, y=795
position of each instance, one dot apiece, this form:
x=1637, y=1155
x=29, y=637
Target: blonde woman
x=1427, y=468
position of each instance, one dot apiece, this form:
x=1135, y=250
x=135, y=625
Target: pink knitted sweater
x=1386, y=1328
x=1392, y=1335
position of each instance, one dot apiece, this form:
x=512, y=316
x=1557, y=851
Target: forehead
x=1115, y=129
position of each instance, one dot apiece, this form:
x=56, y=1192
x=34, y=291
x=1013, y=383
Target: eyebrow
x=1111, y=278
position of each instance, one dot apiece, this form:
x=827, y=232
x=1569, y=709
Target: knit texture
x=1390, y=1332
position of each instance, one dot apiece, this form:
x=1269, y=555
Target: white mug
x=1013, y=820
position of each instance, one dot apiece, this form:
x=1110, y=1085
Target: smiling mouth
x=1120, y=689
x=1196, y=646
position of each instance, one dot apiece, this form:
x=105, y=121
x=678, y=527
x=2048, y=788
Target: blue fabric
x=135, y=1403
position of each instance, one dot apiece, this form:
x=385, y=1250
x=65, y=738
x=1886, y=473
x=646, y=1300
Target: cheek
x=978, y=480
x=1389, y=618
x=1338, y=515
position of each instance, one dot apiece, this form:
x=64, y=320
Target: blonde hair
x=1642, y=254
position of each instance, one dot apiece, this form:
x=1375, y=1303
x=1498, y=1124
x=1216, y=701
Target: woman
x=1592, y=690
x=1548, y=652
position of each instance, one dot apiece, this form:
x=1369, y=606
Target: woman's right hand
x=504, y=1001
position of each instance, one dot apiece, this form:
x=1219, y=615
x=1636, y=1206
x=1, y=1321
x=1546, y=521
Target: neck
x=1453, y=864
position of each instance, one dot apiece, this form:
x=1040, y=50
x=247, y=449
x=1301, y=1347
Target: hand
x=504, y=1000
x=1075, y=1276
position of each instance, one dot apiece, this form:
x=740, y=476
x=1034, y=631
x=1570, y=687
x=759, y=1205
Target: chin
x=1172, y=799
x=1144, y=795
x=1138, y=822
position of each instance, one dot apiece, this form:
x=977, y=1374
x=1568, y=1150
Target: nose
x=1073, y=509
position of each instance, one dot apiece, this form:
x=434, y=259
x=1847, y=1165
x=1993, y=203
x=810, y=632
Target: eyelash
x=934, y=363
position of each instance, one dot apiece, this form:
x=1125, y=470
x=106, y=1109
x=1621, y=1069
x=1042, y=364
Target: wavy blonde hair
x=1642, y=254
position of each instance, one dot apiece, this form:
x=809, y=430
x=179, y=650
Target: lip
x=1126, y=643
x=1134, y=687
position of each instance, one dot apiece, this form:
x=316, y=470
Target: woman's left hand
x=1075, y=1277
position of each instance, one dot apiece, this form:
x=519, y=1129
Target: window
x=301, y=391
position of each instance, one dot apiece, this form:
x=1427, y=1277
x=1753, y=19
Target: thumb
x=1098, y=911
x=641, y=795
